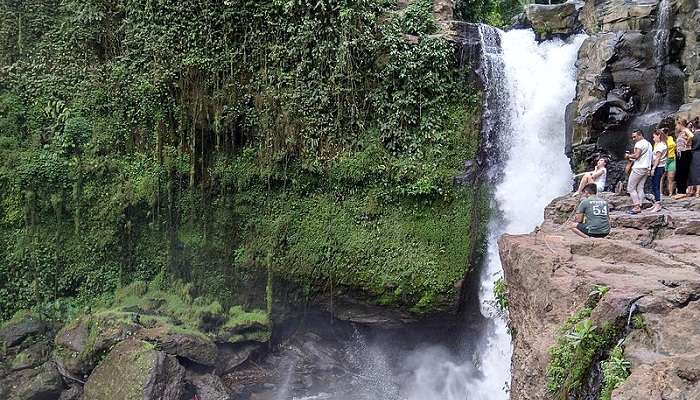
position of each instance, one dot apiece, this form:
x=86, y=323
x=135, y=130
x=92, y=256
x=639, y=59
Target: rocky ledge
x=576, y=304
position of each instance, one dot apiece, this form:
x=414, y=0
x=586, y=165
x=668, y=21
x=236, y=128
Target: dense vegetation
x=580, y=345
x=207, y=140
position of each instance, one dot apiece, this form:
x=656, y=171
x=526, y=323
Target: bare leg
x=671, y=181
x=585, y=180
x=575, y=230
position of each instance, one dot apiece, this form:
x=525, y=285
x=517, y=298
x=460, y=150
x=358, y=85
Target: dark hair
x=661, y=134
x=604, y=159
x=591, y=188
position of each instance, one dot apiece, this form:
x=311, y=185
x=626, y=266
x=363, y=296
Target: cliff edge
x=576, y=305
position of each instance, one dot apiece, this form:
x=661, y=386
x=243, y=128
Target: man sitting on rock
x=592, y=215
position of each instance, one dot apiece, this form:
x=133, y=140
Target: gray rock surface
x=42, y=383
x=549, y=20
x=625, y=78
x=207, y=386
x=16, y=331
x=194, y=346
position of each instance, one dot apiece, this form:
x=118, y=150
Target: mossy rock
x=135, y=370
x=43, y=382
x=20, y=327
x=31, y=357
x=190, y=344
x=81, y=343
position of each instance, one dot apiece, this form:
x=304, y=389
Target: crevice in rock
x=692, y=297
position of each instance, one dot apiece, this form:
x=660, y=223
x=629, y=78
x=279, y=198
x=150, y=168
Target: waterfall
x=537, y=81
x=661, y=46
x=526, y=89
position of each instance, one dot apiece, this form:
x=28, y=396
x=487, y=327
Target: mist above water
x=528, y=86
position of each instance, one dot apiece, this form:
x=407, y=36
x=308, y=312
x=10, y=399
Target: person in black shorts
x=591, y=215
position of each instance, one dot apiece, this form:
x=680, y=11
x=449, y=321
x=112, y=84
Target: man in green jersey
x=592, y=215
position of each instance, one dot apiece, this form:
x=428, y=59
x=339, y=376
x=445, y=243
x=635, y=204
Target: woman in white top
x=598, y=176
x=658, y=167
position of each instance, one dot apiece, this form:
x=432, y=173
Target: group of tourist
x=674, y=157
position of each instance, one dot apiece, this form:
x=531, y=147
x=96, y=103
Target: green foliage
x=579, y=345
x=158, y=138
x=615, y=370
x=599, y=290
x=638, y=322
x=401, y=253
x=199, y=314
x=500, y=292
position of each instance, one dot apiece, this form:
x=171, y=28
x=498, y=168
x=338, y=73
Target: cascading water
x=527, y=87
x=539, y=82
x=661, y=46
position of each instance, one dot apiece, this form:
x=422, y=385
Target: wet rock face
x=618, y=91
x=650, y=265
x=634, y=70
x=42, y=383
x=618, y=15
x=550, y=20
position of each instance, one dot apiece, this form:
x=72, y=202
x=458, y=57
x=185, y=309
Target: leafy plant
x=615, y=371
x=582, y=332
x=599, y=290
x=500, y=292
x=578, y=346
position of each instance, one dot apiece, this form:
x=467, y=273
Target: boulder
x=555, y=19
x=14, y=332
x=33, y=356
x=207, y=386
x=41, y=383
x=194, y=346
x=133, y=370
x=81, y=343
x=689, y=111
x=72, y=393
x=231, y=356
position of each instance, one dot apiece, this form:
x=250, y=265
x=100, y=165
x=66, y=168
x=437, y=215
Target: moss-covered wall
x=204, y=140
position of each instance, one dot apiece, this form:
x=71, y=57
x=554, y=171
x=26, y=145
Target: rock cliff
x=644, y=281
x=638, y=66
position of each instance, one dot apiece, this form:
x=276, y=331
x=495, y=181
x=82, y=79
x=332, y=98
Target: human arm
x=657, y=159
x=687, y=134
x=633, y=156
x=597, y=173
x=581, y=211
